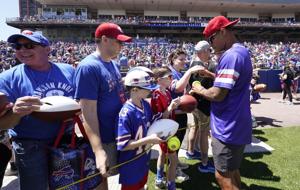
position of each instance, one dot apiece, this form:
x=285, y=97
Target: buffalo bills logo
x=27, y=32
x=90, y=166
x=136, y=81
x=65, y=172
x=119, y=28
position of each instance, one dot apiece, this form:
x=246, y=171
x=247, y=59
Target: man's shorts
x=227, y=157
x=200, y=119
x=112, y=156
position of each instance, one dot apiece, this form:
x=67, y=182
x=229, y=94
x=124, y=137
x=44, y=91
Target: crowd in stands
x=139, y=20
x=152, y=52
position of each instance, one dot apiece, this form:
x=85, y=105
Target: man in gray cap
x=201, y=115
x=24, y=85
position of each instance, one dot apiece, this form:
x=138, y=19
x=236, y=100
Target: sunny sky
x=8, y=9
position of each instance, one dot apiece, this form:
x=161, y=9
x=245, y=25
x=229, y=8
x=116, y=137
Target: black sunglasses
x=18, y=46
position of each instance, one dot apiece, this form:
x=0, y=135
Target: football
x=164, y=128
x=187, y=103
x=3, y=101
x=259, y=87
x=57, y=108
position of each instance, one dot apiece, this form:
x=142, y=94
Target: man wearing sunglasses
x=24, y=85
x=100, y=90
x=231, y=125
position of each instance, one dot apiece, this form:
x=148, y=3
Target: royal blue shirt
x=101, y=81
x=22, y=81
x=133, y=125
x=176, y=77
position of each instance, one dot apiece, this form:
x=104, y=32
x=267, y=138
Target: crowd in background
x=152, y=52
x=132, y=20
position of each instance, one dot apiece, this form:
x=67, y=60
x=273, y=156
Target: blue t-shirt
x=123, y=61
x=231, y=118
x=176, y=77
x=22, y=81
x=101, y=81
x=133, y=125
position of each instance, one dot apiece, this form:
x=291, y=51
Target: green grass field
x=261, y=171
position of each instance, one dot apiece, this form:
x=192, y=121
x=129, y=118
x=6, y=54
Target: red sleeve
x=156, y=104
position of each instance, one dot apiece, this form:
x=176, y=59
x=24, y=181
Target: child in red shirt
x=161, y=101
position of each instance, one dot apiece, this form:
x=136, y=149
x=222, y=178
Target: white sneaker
x=289, y=103
x=181, y=176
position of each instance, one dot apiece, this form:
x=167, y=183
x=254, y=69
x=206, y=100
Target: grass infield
x=260, y=171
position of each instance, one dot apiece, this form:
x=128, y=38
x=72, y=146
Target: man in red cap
x=101, y=94
x=231, y=124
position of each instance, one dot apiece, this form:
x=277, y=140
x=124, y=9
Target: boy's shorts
x=136, y=186
x=227, y=157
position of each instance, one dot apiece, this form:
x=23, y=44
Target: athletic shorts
x=200, y=119
x=227, y=157
x=111, y=153
x=136, y=186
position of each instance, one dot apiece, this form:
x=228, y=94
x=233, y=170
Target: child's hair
x=176, y=53
x=160, y=72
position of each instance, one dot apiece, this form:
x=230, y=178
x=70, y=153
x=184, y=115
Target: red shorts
x=165, y=149
x=136, y=186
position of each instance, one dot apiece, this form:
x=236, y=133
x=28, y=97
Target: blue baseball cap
x=30, y=35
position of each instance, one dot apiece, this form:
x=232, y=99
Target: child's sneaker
x=160, y=183
x=209, y=168
x=194, y=156
x=171, y=185
x=181, y=176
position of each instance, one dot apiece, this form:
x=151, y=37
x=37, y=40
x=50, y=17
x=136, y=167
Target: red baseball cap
x=217, y=23
x=112, y=30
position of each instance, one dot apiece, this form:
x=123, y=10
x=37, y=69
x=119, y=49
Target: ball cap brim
x=32, y=36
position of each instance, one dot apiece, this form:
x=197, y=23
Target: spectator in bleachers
x=152, y=51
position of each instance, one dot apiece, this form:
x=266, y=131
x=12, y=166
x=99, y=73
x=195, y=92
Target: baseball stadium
x=221, y=75
x=173, y=19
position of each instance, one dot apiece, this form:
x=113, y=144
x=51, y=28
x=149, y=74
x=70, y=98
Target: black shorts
x=227, y=157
